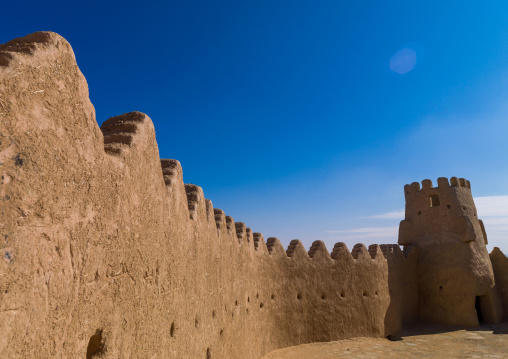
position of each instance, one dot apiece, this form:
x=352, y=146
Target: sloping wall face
x=106, y=253
x=453, y=266
x=500, y=265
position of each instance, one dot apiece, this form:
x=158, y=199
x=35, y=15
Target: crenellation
x=292, y=246
x=426, y=184
x=220, y=218
x=272, y=243
x=319, y=250
x=442, y=182
x=415, y=186
x=209, y=210
x=314, y=247
x=241, y=231
x=259, y=241
x=454, y=182
x=248, y=235
x=386, y=249
x=375, y=251
x=391, y=250
x=171, y=169
x=296, y=249
x=29, y=45
x=119, y=131
x=360, y=252
x=230, y=224
x=356, y=250
x=195, y=197
x=340, y=250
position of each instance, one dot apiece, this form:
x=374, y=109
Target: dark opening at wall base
x=478, y=310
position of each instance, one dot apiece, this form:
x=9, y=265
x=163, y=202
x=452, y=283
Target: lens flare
x=403, y=61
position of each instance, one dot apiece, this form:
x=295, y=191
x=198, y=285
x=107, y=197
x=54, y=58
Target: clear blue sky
x=302, y=119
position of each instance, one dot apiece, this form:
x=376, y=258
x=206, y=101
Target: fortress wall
x=105, y=250
x=403, y=287
x=500, y=266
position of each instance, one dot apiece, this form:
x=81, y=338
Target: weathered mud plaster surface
x=453, y=265
x=107, y=254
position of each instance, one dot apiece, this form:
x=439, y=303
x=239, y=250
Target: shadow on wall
x=403, y=289
x=95, y=347
x=421, y=328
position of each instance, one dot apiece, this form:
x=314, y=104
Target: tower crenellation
x=449, y=207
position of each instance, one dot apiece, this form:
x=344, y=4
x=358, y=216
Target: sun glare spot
x=403, y=61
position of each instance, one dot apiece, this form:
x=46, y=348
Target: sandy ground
x=483, y=342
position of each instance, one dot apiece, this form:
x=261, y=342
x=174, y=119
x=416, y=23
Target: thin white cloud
x=495, y=206
x=399, y=214
x=494, y=213
x=364, y=233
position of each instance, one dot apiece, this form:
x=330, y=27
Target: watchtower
x=454, y=272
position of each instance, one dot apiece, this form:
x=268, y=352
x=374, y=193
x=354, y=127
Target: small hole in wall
x=257, y=295
x=273, y=296
x=95, y=347
x=261, y=305
x=221, y=332
x=464, y=208
x=299, y=296
x=441, y=287
x=208, y=353
x=248, y=299
x=448, y=206
x=172, y=330
x=376, y=292
x=323, y=296
x=247, y=310
x=342, y=294
x=225, y=308
x=419, y=213
x=213, y=313
x=236, y=302
x=364, y=294
x=232, y=315
x=196, y=322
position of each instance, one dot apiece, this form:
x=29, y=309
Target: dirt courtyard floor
x=429, y=342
